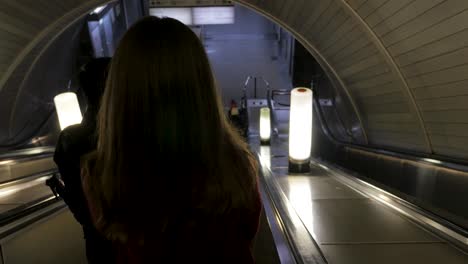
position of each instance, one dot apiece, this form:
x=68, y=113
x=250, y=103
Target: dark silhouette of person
x=234, y=115
x=171, y=181
x=237, y=118
x=73, y=142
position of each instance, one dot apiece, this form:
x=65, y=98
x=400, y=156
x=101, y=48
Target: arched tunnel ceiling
x=28, y=30
x=403, y=63
x=25, y=23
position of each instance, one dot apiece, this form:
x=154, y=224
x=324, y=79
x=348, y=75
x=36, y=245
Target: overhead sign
x=184, y=15
x=214, y=15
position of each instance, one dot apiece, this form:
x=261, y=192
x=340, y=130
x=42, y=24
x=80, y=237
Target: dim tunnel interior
x=389, y=155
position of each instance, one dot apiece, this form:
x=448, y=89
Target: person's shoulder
x=75, y=138
x=71, y=130
x=77, y=133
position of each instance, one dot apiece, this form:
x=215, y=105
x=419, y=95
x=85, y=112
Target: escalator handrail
x=26, y=209
x=21, y=210
x=30, y=214
x=28, y=154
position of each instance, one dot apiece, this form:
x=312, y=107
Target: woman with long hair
x=170, y=181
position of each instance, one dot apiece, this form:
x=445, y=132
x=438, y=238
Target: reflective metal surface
x=13, y=169
x=349, y=225
x=26, y=153
x=304, y=247
x=282, y=245
x=431, y=222
x=22, y=183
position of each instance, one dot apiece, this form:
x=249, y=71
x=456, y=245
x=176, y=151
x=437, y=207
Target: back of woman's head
x=164, y=143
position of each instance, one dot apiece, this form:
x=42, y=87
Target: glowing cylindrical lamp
x=265, y=125
x=68, y=109
x=300, y=130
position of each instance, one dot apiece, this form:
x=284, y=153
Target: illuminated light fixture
x=300, y=130
x=265, y=125
x=68, y=109
x=98, y=10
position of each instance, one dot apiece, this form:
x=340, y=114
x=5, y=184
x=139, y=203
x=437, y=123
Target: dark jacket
x=192, y=236
x=198, y=237
x=73, y=143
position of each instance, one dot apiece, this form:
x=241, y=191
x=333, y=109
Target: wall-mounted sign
x=214, y=15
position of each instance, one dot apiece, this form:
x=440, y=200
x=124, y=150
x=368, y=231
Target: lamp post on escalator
x=68, y=109
x=300, y=130
x=265, y=126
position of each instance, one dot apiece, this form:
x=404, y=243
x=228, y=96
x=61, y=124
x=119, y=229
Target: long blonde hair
x=164, y=143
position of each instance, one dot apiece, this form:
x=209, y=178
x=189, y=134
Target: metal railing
x=30, y=153
x=254, y=78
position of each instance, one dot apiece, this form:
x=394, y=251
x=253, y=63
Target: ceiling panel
x=385, y=11
x=438, y=63
x=434, y=49
x=405, y=16
x=436, y=32
x=444, y=90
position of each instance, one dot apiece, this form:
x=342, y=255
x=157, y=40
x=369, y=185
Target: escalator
x=330, y=215
x=22, y=182
x=35, y=226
